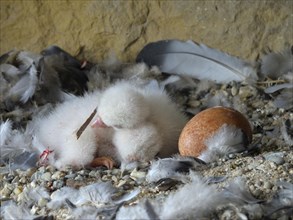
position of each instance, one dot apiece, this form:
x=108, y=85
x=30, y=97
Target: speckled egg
x=205, y=124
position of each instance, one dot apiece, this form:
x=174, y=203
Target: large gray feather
x=196, y=60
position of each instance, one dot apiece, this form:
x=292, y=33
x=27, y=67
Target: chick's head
x=123, y=107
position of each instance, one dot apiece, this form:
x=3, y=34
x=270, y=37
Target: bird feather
x=195, y=60
x=275, y=65
x=26, y=86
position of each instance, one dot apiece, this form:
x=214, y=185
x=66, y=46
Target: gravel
x=269, y=162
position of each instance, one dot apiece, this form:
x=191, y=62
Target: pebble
x=273, y=165
x=276, y=157
x=57, y=175
x=234, y=91
x=23, y=180
x=137, y=175
x=17, y=190
x=78, y=178
x=34, y=210
x=70, y=176
x=114, y=178
x=267, y=185
x=261, y=173
x=46, y=176
x=6, y=191
x=15, y=180
x=121, y=183
x=58, y=184
x=42, y=202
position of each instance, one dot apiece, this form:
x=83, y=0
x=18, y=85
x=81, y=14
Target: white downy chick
x=145, y=120
x=55, y=134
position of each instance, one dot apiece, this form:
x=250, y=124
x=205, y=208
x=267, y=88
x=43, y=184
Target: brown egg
x=206, y=123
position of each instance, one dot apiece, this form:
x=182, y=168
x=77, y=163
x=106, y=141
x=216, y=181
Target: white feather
x=276, y=88
x=27, y=58
x=138, y=211
x=9, y=69
x=5, y=132
x=98, y=193
x=196, y=60
x=226, y=140
x=13, y=142
x=176, y=168
x=12, y=211
x=59, y=196
x=195, y=199
x=31, y=195
x=26, y=86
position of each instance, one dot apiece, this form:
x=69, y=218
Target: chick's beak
x=99, y=123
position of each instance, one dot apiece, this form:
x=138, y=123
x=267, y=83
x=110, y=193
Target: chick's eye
x=117, y=126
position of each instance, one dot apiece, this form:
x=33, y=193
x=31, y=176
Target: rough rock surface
x=97, y=28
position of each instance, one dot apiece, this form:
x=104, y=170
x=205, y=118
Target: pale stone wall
x=242, y=28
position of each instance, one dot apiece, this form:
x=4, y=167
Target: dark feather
x=195, y=60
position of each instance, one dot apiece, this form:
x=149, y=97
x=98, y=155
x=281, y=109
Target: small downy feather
x=237, y=192
x=228, y=139
x=196, y=60
x=275, y=65
x=195, y=199
x=177, y=168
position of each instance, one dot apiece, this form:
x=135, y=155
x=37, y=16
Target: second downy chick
x=146, y=122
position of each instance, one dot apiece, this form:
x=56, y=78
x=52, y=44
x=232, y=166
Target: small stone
x=114, y=178
x=246, y=92
x=257, y=192
x=36, y=176
x=33, y=184
x=121, y=183
x=23, y=180
x=15, y=180
x=267, y=185
x=70, y=176
x=57, y=175
x=276, y=157
x=234, y=91
x=6, y=191
x=231, y=156
x=42, y=202
x=42, y=169
x=78, y=178
x=116, y=171
x=46, y=176
x=105, y=177
x=137, y=174
x=50, y=168
x=58, y=184
x=82, y=172
x=273, y=166
x=34, y=209
x=17, y=190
